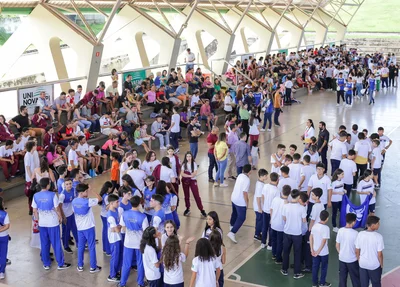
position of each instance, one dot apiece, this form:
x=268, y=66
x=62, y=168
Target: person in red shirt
x=207, y=115
x=212, y=138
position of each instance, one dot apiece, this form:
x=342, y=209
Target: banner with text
x=137, y=77
x=30, y=96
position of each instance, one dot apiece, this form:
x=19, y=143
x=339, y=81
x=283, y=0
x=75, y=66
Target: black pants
x=246, y=128
x=339, y=94
x=276, y=116
x=352, y=269
x=323, y=158
x=329, y=83
x=212, y=163
x=306, y=257
x=391, y=81
x=288, y=241
x=385, y=82
x=371, y=275
x=361, y=168
x=288, y=95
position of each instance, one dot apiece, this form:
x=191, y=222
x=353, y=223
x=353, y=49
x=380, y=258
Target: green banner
x=331, y=44
x=137, y=77
x=286, y=51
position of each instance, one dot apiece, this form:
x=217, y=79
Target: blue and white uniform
x=115, y=240
x=135, y=222
x=85, y=224
x=147, y=193
x=158, y=220
x=4, y=220
x=103, y=216
x=46, y=203
x=66, y=197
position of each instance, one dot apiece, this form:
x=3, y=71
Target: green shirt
x=244, y=114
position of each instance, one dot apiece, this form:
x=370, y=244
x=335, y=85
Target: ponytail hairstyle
x=148, y=238
x=165, y=162
x=336, y=174
x=366, y=173
x=161, y=188
x=104, y=189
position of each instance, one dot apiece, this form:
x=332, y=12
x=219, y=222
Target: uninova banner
x=29, y=97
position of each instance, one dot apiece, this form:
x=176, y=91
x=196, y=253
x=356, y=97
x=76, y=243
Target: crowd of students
x=142, y=196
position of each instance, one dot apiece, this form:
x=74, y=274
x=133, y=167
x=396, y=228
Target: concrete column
x=320, y=28
x=94, y=68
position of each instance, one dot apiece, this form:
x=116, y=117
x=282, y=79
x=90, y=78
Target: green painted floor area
x=261, y=270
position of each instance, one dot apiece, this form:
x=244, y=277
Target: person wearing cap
x=189, y=59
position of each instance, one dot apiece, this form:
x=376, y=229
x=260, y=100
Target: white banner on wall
x=29, y=97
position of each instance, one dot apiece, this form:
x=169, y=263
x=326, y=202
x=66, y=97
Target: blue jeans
x=317, y=261
x=267, y=117
x=238, y=217
x=194, y=147
x=89, y=236
x=221, y=170
x=359, y=88
x=173, y=139
x=349, y=98
x=239, y=169
x=84, y=124
x=277, y=244
x=371, y=96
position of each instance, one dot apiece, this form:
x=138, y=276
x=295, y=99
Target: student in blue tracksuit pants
x=4, y=226
x=84, y=218
x=114, y=238
x=65, y=199
x=148, y=192
x=349, y=92
x=46, y=209
x=340, y=93
x=104, y=192
x=158, y=218
x=134, y=223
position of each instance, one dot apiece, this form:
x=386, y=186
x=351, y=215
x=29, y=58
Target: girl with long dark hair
x=220, y=252
x=151, y=263
x=212, y=223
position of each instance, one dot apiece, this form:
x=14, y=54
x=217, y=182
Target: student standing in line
x=293, y=214
x=65, y=198
x=82, y=206
x=285, y=179
x=172, y=259
x=338, y=151
x=316, y=208
x=321, y=180
x=277, y=158
x=336, y=192
x=151, y=263
x=319, y=236
x=133, y=223
x=365, y=187
x=114, y=238
x=205, y=266
x=268, y=193
x=257, y=199
x=306, y=171
x=148, y=192
x=277, y=223
x=363, y=151
x=349, y=168
x=158, y=218
x=240, y=201
x=369, y=252
x=376, y=162
x=46, y=209
x=4, y=238
x=306, y=257
x=345, y=246
x=295, y=169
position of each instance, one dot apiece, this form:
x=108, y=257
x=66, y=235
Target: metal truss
x=341, y=11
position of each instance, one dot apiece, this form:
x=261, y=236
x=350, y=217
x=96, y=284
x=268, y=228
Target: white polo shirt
x=269, y=192
x=363, y=148
x=258, y=194
x=294, y=213
x=366, y=186
x=324, y=183
x=348, y=166
x=369, y=243
x=176, y=118
x=307, y=171
x=346, y=237
x=294, y=172
x=287, y=181
x=338, y=149
x=5, y=152
x=242, y=185
x=277, y=222
x=320, y=232
x=72, y=155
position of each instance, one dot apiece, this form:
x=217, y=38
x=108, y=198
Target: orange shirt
x=115, y=170
x=277, y=100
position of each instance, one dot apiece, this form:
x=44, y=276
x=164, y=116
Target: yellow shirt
x=220, y=148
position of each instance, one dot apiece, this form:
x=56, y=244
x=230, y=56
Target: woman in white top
x=150, y=162
x=166, y=172
x=336, y=193
x=137, y=175
x=253, y=130
x=365, y=187
x=359, y=84
x=44, y=171
x=228, y=103
x=205, y=266
x=172, y=259
x=124, y=167
x=308, y=134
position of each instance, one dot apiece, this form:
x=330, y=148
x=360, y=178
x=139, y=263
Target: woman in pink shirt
x=150, y=97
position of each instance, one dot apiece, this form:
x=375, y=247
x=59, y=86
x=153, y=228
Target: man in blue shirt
x=181, y=93
x=340, y=90
x=242, y=153
x=371, y=89
x=46, y=210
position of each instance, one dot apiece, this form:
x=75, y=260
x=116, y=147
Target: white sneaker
x=223, y=185
x=262, y=130
x=2, y=276
x=163, y=147
x=263, y=245
x=230, y=227
x=232, y=237
x=337, y=105
x=335, y=229
x=269, y=247
x=268, y=130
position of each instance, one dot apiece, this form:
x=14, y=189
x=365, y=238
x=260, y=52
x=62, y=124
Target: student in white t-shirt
x=365, y=187
x=317, y=207
x=321, y=180
x=319, y=236
x=240, y=201
x=294, y=215
x=268, y=193
x=345, y=246
x=336, y=192
x=220, y=252
x=338, y=150
x=349, y=168
x=277, y=158
x=369, y=247
x=151, y=263
x=295, y=169
x=363, y=150
x=173, y=272
x=306, y=171
x=257, y=202
x=285, y=179
x=376, y=162
x=206, y=269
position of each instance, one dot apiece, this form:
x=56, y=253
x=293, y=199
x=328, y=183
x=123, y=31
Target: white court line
x=393, y=130
x=391, y=271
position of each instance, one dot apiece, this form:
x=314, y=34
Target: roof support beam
x=110, y=18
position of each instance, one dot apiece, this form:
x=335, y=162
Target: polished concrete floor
x=26, y=268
